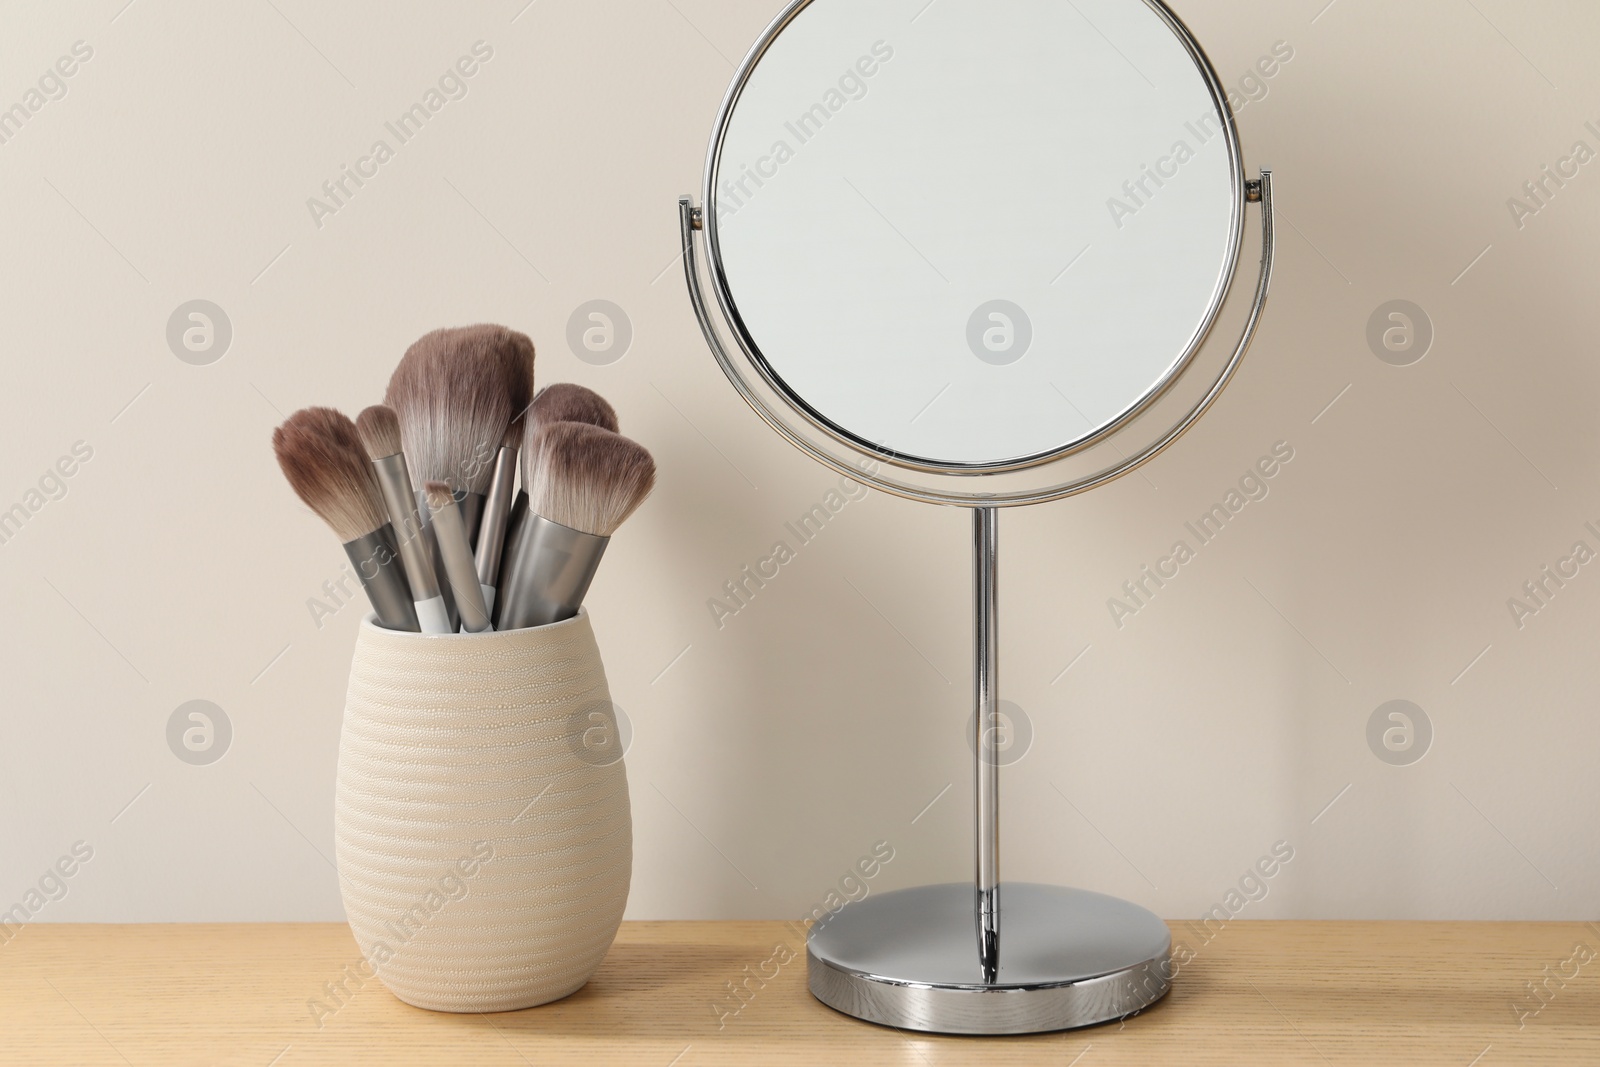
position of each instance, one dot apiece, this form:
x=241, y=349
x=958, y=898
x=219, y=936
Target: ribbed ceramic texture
x=454, y=745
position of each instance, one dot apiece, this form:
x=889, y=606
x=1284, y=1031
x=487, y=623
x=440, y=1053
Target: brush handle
x=376, y=559
x=471, y=507
x=547, y=578
x=496, y=513
x=431, y=540
x=458, y=568
x=516, y=531
x=434, y=616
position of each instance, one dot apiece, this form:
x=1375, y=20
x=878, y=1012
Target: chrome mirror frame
x=960, y=484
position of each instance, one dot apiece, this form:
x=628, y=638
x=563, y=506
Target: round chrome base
x=1068, y=958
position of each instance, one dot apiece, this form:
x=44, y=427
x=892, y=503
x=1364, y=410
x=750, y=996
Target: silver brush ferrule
x=376, y=559
x=548, y=575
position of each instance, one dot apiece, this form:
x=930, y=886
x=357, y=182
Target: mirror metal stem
x=986, y=754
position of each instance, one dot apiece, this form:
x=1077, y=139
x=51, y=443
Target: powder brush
x=584, y=483
x=454, y=401
x=321, y=455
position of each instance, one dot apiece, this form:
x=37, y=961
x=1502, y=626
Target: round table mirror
x=974, y=234
x=959, y=246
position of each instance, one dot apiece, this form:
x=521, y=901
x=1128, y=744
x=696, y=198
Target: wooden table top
x=1325, y=993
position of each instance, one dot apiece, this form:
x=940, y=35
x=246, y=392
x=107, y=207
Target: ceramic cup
x=482, y=827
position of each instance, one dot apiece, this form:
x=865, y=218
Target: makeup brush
x=451, y=394
x=320, y=452
x=452, y=534
x=586, y=481
x=561, y=402
x=497, y=513
x=379, y=428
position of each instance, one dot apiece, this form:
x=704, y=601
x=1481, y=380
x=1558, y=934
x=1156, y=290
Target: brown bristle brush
x=379, y=428
x=584, y=482
x=458, y=568
x=561, y=402
x=321, y=454
x=455, y=392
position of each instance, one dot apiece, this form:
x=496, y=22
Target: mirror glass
x=974, y=233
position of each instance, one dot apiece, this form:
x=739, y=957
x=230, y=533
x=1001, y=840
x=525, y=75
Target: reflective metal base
x=1068, y=958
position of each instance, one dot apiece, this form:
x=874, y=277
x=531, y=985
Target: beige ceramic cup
x=482, y=826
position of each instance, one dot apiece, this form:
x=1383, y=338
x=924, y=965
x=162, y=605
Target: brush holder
x=482, y=826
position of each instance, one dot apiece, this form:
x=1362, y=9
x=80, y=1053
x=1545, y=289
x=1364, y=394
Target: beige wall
x=1221, y=719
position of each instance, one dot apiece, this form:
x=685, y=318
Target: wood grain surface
x=1414, y=994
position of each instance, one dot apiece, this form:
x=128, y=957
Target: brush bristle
x=379, y=428
x=567, y=402
x=439, y=495
x=562, y=402
x=517, y=366
x=320, y=452
x=587, y=477
x=452, y=398
x=514, y=434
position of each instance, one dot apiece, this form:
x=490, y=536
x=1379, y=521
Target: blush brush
x=321, y=455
